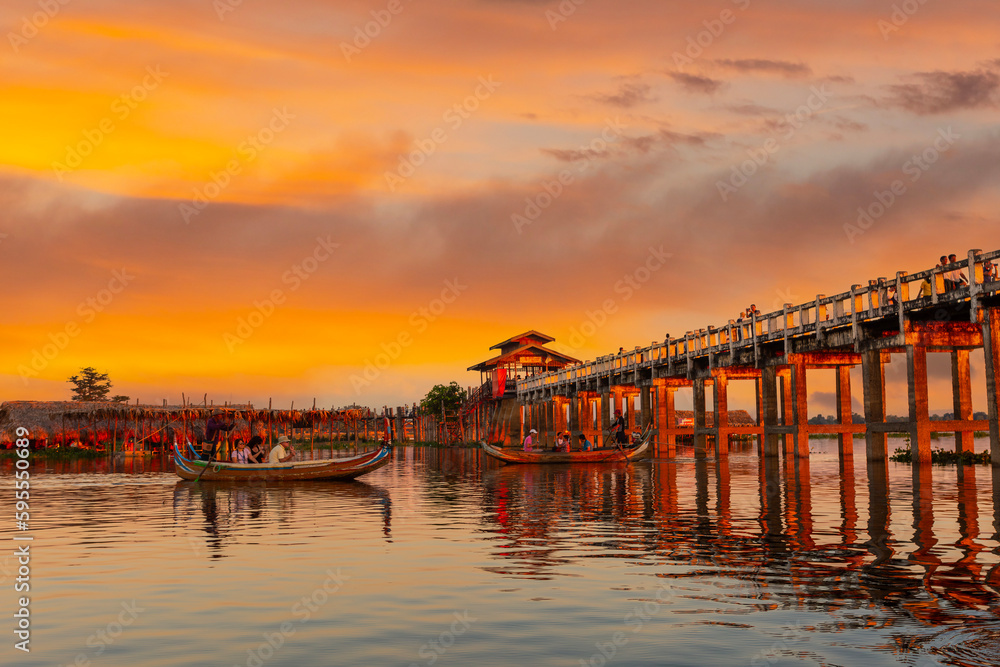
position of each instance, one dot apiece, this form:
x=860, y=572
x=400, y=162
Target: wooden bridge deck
x=859, y=327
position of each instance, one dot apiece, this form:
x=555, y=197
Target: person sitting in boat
x=256, y=447
x=560, y=442
x=618, y=428
x=528, y=441
x=279, y=453
x=241, y=454
x=567, y=441
x=585, y=443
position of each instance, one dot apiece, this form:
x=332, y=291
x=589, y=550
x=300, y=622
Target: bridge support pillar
x=787, y=406
x=769, y=415
x=605, y=413
x=538, y=423
x=574, y=424
x=720, y=394
x=588, y=419
x=700, y=431
x=991, y=352
x=519, y=420
x=616, y=397
x=551, y=421
x=800, y=409
x=666, y=418
x=845, y=413
x=559, y=407
x=920, y=419
x=961, y=385
x=760, y=414
x=645, y=407
x=512, y=432
x=873, y=376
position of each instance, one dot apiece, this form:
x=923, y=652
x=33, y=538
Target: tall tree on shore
x=90, y=385
x=450, y=396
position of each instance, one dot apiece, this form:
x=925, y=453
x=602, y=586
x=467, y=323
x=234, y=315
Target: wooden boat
x=189, y=467
x=630, y=453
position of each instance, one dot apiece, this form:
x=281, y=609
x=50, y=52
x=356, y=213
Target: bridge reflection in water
x=779, y=533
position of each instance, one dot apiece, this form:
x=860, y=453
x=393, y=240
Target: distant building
x=736, y=418
x=520, y=356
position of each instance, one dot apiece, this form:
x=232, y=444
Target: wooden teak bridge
x=911, y=315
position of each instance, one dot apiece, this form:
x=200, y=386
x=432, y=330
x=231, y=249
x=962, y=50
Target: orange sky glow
x=256, y=201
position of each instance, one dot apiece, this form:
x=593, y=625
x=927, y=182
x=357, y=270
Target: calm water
x=442, y=558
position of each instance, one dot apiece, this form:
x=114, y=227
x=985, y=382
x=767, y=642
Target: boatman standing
x=618, y=428
x=214, y=428
x=279, y=454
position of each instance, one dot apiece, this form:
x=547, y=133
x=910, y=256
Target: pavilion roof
x=531, y=335
x=511, y=356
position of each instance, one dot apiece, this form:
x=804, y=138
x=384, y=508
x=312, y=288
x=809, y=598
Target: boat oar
x=211, y=457
x=620, y=449
x=610, y=434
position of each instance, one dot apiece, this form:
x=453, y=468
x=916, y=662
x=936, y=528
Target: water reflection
x=228, y=509
x=862, y=563
x=801, y=548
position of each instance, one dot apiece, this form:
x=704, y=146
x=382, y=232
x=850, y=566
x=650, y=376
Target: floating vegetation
x=943, y=456
x=57, y=454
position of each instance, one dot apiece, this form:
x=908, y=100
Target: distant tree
x=90, y=385
x=448, y=395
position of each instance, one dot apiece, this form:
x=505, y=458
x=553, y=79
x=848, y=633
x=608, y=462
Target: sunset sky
x=255, y=200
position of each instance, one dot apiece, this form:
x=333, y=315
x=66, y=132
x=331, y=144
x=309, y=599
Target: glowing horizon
x=461, y=173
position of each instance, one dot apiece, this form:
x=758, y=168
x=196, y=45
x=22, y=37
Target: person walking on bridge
x=958, y=278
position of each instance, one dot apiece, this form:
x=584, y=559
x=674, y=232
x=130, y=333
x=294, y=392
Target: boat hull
x=597, y=456
x=348, y=468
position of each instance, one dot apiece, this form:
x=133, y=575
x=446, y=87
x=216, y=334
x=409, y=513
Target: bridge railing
x=878, y=299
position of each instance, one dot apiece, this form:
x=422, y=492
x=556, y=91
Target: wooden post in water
x=961, y=386
x=873, y=376
x=800, y=408
x=845, y=414
x=769, y=416
x=991, y=353
x=700, y=431
x=787, y=409
x=645, y=407
x=604, y=408
x=667, y=420
x=759, y=421
x=920, y=421
x=720, y=395
x=573, y=425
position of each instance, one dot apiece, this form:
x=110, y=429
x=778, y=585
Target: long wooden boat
x=189, y=467
x=594, y=456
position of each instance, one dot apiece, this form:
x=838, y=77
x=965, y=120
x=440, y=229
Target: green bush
x=943, y=456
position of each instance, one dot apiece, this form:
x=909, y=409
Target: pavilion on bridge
x=520, y=356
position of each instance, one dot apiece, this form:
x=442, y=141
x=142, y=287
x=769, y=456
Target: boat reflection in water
x=233, y=510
